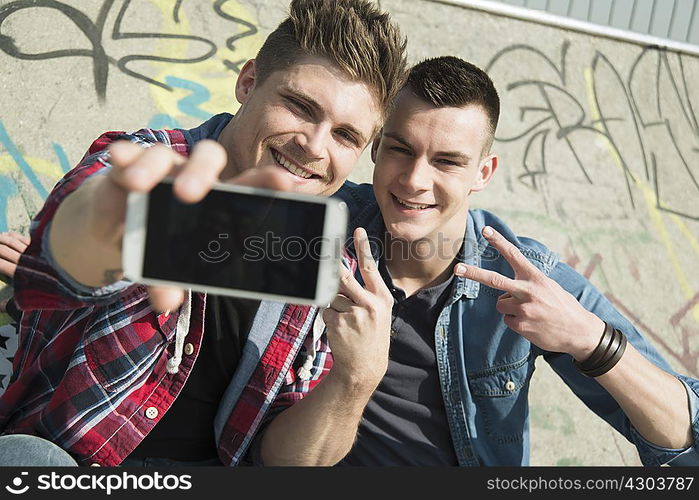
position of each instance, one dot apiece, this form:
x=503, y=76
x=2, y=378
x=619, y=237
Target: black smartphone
x=238, y=241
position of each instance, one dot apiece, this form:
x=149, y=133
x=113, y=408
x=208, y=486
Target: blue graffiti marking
x=163, y=121
x=190, y=105
x=21, y=162
x=7, y=190
x=62, y=157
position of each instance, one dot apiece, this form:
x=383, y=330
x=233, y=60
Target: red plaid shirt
x=90, y=369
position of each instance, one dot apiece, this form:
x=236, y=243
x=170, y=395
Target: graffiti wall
x=598, y=138
x=72, y=70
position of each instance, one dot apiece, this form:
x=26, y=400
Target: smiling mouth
x=411, y=206
x=285, y=163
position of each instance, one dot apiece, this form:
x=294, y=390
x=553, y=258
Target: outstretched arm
x=549, y=317
x=88, y=226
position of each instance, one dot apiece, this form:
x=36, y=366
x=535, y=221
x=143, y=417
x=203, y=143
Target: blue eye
x=448, y=162
x=346, y=136
x=300, y=106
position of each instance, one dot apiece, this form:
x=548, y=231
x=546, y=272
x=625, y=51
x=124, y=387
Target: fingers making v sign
x=534, y=305
x=359, y=319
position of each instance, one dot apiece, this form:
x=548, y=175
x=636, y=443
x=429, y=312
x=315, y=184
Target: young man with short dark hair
x=458, y=308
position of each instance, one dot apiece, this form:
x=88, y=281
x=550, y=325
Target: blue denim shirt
x=485, y=367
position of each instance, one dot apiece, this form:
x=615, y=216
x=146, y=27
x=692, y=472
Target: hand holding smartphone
x=238, y=240
x=87, y=229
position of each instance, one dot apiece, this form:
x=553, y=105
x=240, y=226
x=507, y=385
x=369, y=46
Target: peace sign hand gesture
x=359, y=320
x=535, y=306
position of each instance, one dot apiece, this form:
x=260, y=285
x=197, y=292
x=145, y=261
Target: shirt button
x=188, y=349
x=510, y=386
x=152, y=412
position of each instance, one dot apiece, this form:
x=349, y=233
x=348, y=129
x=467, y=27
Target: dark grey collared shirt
x=405, y=422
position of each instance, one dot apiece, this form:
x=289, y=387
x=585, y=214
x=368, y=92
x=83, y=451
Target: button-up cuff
x=652, y=454
x=74, y=288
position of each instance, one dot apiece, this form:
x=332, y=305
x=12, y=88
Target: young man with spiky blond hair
x=109, y=372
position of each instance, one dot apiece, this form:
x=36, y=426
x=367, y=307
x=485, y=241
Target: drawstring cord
x=173, y=364
x=304, y=372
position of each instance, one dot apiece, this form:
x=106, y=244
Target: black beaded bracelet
x=606, y=355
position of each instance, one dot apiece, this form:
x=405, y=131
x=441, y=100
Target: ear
x=246, y=81
x=486, y=170
x=375, y=144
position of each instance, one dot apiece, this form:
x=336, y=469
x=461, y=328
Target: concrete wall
x=599, y=143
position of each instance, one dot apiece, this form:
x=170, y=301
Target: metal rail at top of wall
x=671, y=24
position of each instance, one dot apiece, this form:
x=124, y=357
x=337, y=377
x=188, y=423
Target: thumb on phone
x=163, y=299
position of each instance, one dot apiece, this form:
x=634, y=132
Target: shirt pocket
x=121, y=350
x=500, y=394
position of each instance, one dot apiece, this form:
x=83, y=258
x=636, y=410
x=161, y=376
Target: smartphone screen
x=234, y=240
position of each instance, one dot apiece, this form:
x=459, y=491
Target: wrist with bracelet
x=606, y=355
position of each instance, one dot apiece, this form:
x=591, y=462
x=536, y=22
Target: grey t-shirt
x=405, y=421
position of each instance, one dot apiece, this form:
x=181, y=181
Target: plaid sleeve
x=309, y=368
x=39, y=282
x=311, y=365
x=313, y=361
